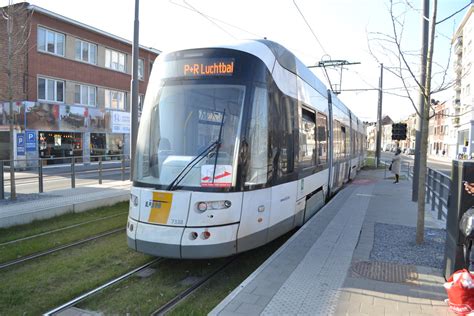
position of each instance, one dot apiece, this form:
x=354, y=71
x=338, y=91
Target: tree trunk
x=420, y=223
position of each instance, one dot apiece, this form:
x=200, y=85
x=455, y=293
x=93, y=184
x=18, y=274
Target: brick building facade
x=71, y=86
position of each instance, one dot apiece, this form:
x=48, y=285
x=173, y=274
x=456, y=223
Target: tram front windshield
x=183, y=123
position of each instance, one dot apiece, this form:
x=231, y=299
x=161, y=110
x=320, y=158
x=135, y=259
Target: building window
x=50, y=90
x=115, y=60
x=115, y=100
x=141, y=71
x=85, y=95
x=86, y=51
x=50, y=41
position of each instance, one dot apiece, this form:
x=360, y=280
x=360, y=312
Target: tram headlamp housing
x=133, y=199
x=213, y=205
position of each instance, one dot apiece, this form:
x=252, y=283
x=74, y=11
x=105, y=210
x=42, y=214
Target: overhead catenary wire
x=450, y=16
x=310, y=28
x=209, y=17
x=210, y=20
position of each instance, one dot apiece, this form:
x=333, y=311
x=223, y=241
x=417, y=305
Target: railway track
x=60, y=229
x=162, y=309
x=56, y=249
x=183, y=295
x=84, y=296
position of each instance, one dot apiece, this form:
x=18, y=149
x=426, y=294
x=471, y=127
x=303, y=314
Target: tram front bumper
x=182, y=242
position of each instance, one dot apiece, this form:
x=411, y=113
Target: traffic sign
x=20, y=144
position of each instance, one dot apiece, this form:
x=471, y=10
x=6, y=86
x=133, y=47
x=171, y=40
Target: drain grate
x=385, y=271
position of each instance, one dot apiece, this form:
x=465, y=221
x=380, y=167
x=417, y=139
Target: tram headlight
x=213, y=205
x=133, y=199
x=202, y=206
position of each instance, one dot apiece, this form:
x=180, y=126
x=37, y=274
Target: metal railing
x=41, y=170
x=437, y=191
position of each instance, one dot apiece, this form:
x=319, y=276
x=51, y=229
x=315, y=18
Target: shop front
x=108, y=145
x=56, y=132
x=58, y=147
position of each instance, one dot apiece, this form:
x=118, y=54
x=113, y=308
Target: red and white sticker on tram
x=222, y=177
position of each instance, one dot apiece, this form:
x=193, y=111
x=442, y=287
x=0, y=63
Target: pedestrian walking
x=396, y=164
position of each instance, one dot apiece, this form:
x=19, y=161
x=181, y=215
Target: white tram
x=237, y=145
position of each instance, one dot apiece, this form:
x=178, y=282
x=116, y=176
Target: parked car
x=410, y=151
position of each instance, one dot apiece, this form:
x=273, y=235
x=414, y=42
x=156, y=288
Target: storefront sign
x=30, y=141
x=20, y=144
x=120, y=122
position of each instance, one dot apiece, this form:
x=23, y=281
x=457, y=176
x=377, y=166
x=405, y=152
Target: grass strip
x=27, y=247
x=142, y=296
x=38, y=286
x=214, y=291
x=58, y=222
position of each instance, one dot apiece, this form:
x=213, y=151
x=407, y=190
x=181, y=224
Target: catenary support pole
x=379, y=120
x=421, y=103
x=134, y=88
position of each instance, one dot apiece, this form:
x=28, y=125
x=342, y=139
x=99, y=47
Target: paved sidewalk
x=57, y=202
x=315, y=273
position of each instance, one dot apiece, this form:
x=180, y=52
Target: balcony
x=458, y=67
x=456, y=121
x=458, y=46
x=457, y=85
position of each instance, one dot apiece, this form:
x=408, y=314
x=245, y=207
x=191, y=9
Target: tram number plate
x=160, y=207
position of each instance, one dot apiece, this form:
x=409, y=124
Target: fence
x=73, y=167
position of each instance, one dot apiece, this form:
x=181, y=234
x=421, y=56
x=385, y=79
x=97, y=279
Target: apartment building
x=71, y=86
x=438, y=131
x=463, y=116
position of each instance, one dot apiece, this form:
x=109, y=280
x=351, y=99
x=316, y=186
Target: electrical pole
x=10, y=16
x=421, y=103
x=134, y=86
x=379, y=120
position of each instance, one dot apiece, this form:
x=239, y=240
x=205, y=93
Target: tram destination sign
x=204, y=67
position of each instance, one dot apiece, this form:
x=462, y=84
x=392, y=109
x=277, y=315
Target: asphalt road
x=59, y=177
x=442, y=166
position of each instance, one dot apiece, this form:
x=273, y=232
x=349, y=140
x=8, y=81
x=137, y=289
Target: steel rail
x=100, y=288
x=56, y=249
x=60, y=229
x=183, y=295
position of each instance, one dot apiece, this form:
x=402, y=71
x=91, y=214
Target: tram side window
x=281, y=136
x=337, y=140
x=257, y=172
x=307, y=156
x=343, y=142
x=322, y=126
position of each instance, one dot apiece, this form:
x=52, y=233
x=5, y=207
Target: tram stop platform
x=58, y=202
x=356, y=256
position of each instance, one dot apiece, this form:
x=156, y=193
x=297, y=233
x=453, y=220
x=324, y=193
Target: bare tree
x=402, y=66
x=16, y=32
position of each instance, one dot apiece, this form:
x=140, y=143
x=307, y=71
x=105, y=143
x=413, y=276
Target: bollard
x=73, y=172
x=100, y=170
x=428, y=187
x=2, y=186
x=441, y=191
x=123, y=167
x=433, y=193
x=40, y=176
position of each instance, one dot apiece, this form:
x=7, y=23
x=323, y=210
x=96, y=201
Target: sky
x=338, y=29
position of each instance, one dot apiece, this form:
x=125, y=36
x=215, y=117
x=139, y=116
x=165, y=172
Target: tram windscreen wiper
x=215, y=144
